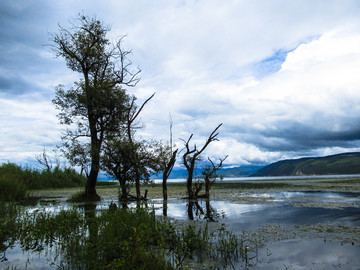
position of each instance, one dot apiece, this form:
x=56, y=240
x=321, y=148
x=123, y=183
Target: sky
x=283, y=77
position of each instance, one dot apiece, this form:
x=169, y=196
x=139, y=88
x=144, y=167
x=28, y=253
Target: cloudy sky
x=282, y=76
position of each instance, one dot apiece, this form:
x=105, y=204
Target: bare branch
x=142, y=106
x=44, y=160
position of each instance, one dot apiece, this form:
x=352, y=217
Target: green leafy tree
x=129, y=160
x=131, y=163
x=95, y=106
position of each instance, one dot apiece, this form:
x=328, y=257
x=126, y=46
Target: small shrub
x=11, y=189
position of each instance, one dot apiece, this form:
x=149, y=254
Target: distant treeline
x=15, y=180
x=346, y=163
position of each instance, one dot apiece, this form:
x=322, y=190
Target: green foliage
x=15, y=180
x=94, y=108
x=106, y=183
x=130, y=161
x=11, y=188
x=119, y=239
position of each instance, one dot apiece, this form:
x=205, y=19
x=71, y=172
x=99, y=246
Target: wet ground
x=296, y=227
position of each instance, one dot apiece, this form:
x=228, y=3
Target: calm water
x=281, y=210
x=239, y=217
x=251, y=179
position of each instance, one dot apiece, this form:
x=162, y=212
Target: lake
x=294, y=228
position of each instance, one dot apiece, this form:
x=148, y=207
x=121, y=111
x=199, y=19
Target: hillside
x=346, y=163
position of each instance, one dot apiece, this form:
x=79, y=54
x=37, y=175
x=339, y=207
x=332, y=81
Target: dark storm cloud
x=24, y=22
x=13, y=85
x=24, y=57
x=294, y=136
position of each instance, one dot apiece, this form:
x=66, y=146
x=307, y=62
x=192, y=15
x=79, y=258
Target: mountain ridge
x=344, y=163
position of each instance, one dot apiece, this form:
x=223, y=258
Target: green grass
x=106, y=183
x=15, y=180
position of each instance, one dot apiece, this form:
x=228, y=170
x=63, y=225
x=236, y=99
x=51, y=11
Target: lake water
x=279, y=208
x=250, y=179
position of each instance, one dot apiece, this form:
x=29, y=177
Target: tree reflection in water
x=196, y=211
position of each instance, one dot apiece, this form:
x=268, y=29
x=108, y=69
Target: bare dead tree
x=46, y=161
x=168, y=168
x=210, y=174
x=168, y=164
x=191, y=156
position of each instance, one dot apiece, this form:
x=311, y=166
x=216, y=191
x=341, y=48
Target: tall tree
x=95, y=106
x=191, y=156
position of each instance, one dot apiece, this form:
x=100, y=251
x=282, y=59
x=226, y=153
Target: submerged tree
x=191, y=157
x=167, y=163
x=167, y=160
x=210, y=175
x=95, y=106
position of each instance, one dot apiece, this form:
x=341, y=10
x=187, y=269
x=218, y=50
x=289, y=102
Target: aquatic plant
x=124, y=239
x=9, y=213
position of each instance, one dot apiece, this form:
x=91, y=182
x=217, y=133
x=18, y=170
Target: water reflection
x=202, y=210
x=196, y=211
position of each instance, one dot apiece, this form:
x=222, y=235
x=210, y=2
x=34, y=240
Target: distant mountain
x=346, y=163
x=238, y=171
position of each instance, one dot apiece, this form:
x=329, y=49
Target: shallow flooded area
x=286, y=227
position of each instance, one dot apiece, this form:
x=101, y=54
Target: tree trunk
x=137, y=186
x=207, y=187
x=164, y=186
x=189, y=183
x=124, y=194
x=190, y=210
x=90, y=187
x=165, y=208
x=168, y=168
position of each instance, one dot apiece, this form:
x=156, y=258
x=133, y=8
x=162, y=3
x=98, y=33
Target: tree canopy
x=95, y=107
